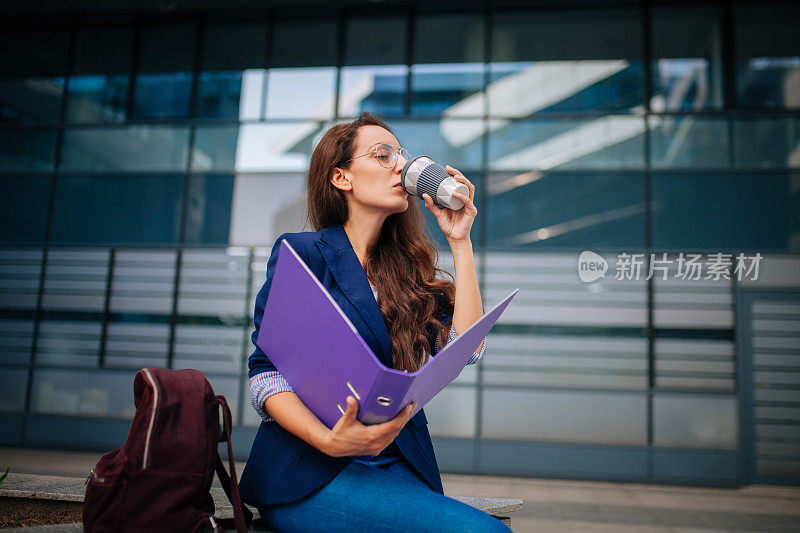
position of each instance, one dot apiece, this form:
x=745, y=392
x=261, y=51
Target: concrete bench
x=68, y=492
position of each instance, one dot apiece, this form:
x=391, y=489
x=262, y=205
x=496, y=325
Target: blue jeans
x=365, y=497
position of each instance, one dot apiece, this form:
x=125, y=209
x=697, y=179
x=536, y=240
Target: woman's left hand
x=455, y=225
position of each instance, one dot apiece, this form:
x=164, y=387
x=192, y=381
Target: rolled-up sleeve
x=475, y=357
x=262, y=386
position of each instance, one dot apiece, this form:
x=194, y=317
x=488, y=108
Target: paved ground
x=561, y=506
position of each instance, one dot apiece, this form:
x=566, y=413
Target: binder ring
x=384, y=401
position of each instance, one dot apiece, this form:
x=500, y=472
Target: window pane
x=695, y=421
x=214, y=148
x=687, y=62
x=117, y=210
x=767, y=142
x=448, y=76
x=451, y=413
x=136, y=345
x=20, y=280
x=98, y=87
x=594, y=143
x=23, y=209
x=301, y=93
x=601, y=418
x=131, y=148
x=75, y=280
x=231, y=67
x=164, y=79
x=558, y=314
x=375, y=41
x=264, y=207
x=376, y=74
x=69, y=343
x=32, y=77
x=767, y=55
x=725, y=212
x=449, y=142
x=25, y=150
x=576, y=211
x=213, y=284
x=84, y=392
x=16, y=343
x=380, y=90
x=689, y=141
x=13, y=385
x=565, y=62
x=304, y=43
x=208, y=209
x=277, y=146
x=143, y=282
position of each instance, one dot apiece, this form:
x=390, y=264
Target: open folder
x=320, y=353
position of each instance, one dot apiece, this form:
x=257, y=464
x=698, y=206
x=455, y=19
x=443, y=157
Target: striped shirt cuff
x=264, y=385
x=476, y=356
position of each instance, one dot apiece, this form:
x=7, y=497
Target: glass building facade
x=148, y=163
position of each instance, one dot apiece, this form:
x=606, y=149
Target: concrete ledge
x=72, y=489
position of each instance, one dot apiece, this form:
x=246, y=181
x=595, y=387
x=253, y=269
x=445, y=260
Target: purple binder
x=320, y=353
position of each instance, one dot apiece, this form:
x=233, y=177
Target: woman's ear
x=341, y=180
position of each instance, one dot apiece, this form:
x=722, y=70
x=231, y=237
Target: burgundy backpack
x=160, y=479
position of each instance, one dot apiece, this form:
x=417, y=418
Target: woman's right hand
x=350, y=437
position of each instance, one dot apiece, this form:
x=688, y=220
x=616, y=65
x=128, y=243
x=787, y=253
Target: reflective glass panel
x=565, y=62
x=767, y=142
x=117, y=210
x=13, y=385
x=276, y=146
x=447, y=76
x=25, y=150
x=32, y=77
x=23, y=209
x=231, y=68
x=301, y=92
x=606, y=142
x=208, y=209
x=164, y=72
x=76, y=280
x=687, y=58
x=142, y=147
x=20, y=281
x=689, y=141
x=724, y=212
x=304, y=43
x=767, y=55
x=455, y=142
x=695, y=421
x=98, y=86
x=264, y=207
x=605, y=418
x=553, y=210
x=375, y=76
x=379, y=89
x=84, y=392
x=214, y=148
x=16, y=342
x=69, y=343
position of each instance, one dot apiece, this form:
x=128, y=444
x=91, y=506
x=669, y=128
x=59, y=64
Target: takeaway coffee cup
x=422, y=175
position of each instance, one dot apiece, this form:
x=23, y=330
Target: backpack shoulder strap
x=242, y=516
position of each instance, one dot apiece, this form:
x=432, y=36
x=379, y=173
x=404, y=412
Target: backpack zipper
x=152, y=419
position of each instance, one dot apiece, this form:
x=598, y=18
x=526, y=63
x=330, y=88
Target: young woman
x=372, y=255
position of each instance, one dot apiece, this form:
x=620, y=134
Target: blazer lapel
x=346, y=269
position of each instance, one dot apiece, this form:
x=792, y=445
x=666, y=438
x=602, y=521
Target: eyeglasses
x=386, y=154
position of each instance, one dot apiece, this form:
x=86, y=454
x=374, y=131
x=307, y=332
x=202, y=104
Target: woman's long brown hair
x=401, y=264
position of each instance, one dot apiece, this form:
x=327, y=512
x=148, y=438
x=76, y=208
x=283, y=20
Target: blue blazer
x=283, y=468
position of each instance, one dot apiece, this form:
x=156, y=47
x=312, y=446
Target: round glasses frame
x=386, y=154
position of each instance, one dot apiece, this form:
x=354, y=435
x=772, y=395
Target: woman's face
x=373, y=186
